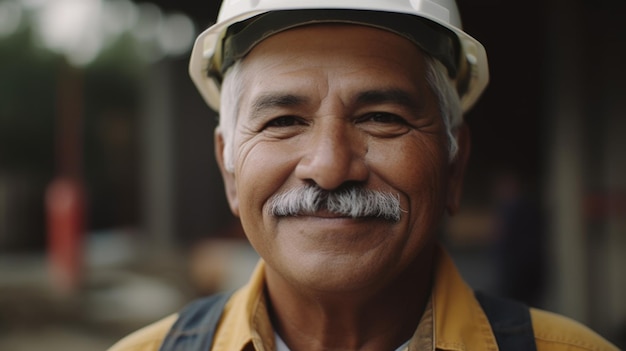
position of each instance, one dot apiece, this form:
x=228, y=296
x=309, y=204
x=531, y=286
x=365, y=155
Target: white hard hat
x=433, y=25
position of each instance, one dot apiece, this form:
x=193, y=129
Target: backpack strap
x=510, y=321
x=196, y=324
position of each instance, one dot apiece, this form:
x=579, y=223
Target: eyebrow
x=277, y=100
x=369, y=97
x=393, y=96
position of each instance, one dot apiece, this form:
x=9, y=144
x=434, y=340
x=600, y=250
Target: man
x=342, y=146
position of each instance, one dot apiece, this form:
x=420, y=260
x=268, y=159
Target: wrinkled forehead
x=344, y=60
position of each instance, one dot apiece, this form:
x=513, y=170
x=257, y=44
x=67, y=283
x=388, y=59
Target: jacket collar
x=458, y=321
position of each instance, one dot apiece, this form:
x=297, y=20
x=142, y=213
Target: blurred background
x=112, y=212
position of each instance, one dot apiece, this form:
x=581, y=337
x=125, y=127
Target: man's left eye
x=383, y=117
x=383, y=124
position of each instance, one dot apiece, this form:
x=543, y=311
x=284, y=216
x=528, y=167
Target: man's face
x=333, y=106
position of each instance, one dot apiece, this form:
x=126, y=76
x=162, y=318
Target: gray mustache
x=351, y=202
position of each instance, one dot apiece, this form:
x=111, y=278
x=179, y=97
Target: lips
x=325, y=214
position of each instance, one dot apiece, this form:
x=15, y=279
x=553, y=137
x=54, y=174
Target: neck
x=369, y=319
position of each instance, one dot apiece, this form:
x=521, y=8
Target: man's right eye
x=284, y=121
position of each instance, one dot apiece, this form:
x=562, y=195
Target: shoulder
x=556, y=332
x=148, y=338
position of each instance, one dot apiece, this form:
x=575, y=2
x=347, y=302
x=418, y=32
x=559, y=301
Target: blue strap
x=510, y=321
x=196, y=324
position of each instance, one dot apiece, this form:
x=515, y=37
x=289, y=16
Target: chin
x=326, y=273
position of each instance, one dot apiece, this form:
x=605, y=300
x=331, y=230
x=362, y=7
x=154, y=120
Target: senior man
x=342, y=145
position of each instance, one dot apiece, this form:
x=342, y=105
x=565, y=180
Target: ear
x=457, y=169
x=227, y=176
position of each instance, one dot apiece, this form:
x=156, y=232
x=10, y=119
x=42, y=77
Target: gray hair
x=436, y=77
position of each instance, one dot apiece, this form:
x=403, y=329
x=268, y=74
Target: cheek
x=418, y=169
x=262, y=168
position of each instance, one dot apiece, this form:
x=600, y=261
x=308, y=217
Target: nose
x=335, y=155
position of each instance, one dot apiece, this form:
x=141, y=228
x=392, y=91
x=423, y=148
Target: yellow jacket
x=453, y=321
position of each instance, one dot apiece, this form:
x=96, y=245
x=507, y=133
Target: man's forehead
x=358, y=64
x=276, y=100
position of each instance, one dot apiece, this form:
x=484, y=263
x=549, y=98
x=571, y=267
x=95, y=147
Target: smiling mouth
x=326, y=214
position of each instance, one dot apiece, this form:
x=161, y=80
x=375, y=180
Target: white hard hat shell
x=442, y=12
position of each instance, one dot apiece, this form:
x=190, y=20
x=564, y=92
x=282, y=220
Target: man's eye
x=383, y=117
x=383, y=124
x=283, y=121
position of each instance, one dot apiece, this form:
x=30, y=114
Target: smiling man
x=342, y=145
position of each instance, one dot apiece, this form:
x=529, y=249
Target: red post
x=65, y=201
